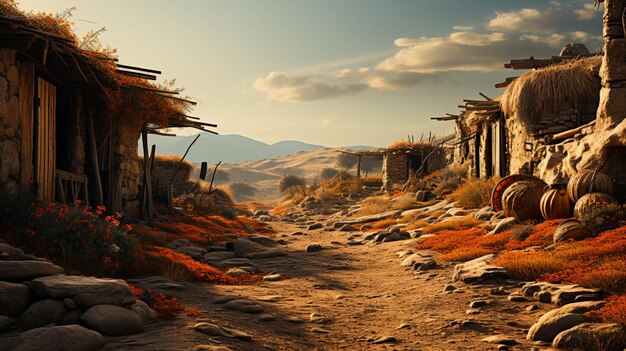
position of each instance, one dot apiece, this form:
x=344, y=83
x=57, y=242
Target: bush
x=290, y=181
x=449, y=179
x=474, y=193
x=328, y=173
x=75, y=236
x=241, y=191
x=346, y=161
x=201, y=203
x=613, y=312
x=604, y=217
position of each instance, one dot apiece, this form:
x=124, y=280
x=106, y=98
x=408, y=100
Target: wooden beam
x=136, y=74
x=93, y=149
x=148, y=205
x=135, y=68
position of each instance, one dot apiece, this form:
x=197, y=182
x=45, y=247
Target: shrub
x=241, y=191
x=475, y=193
x=373, y=205
x=291, y=181
x=613, y=312
x=453, y=224
x=346, y=161
x=202, y=203
x=79, y=238
x=604, y=217
x=328, y=173
x=449, y=179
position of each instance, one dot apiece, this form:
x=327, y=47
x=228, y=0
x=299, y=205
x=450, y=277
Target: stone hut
x=70, y=119
x=401, y=161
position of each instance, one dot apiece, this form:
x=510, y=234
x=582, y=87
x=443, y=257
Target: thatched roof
x=575, y=81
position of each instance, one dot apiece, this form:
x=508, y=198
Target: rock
x=392, y=237
x=218, y=256
x=18, y=271
x=241, y=247
x=10, y=253
x=147, y=314
x=576, y=308
x=59, y=338
x=272, y=277
x=263, y=240
x=5, y=323
x=478, y=303
x=14, y=299
x=297, y=233
x=504, y=224
x=215, y=330
x=372, y=218
x=245, y=306
x=236, y=272
x=478, y=269
x=379, y=237
x=449, y=287
x=113, y=320
x=319, y=319
x=385, y=340
x=314, y=248
x=42, y=313
x=71, y=317
x=365, y=227
x=419, y=262
x=558, y=294
x=85, y=291
x=69, y=304
x=592, y=336
x=500, y=339
x=420, y=195
x=266, y=317
x=315, y=226
x=517, y=298
x=546, y=329
x=243, y=263
x=348, y=228
x=180, y=242
x=216, y=248
x=261, y=213
x=531, y=308
x=266, y=254
x=210, y=348
x=192, y=251
x=319, y=330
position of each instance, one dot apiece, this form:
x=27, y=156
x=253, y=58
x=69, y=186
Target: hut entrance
x=44, y=135
x=414, y=164
x=489, y=148
x=477, y=155
x=500, y=161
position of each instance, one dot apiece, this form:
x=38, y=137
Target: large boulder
x=42, y=313
x=592, y=336
x=418, y=262
x=59, y=338
x=478, y=269
x=242, y=247
x=86, y=291
x=147, y=314
x=559, y=294
x=546, y=329
x=14, y=299
x=113, y=320
x=10, y=253
x=17, y=271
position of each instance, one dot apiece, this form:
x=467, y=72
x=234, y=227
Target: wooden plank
x=27, y=110
x=93, y=150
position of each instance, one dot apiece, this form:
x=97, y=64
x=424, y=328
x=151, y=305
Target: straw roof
x=575, y=81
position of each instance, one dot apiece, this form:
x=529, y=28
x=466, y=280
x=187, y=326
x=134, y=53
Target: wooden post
x=358, y=167
x=213, y=176
x=148, y=208
x=93, y=149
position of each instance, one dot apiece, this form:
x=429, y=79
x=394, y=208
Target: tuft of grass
x=373, y=205
x=474, y=193
x=613, y=312
x=464, y=255
x=384, y=223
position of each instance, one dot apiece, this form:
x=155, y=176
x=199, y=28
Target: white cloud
x=475, y=39
x=283, y=87
x=554, y=40
x=587, y=12
x=463, y=28
x=523, y=20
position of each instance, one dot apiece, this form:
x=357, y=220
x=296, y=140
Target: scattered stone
x=216, y=248
x=319, y=319
x=211, y=348
x=6, y=323
x=245, y=306
x=504, y=224
x=194, y=252
x=531, y=308
x=385, y=340
x=419, y=262
x=242, y=247
x=18, y=271
x=236, y=272
x=113, y=320
x=269, y=298
x=315, y=226
x=478, y=303
x=478, y=269
x=266, y=317
x=59, y=338
x=500, y=339
x=449, y=287
x=42, y=313
x=215, y=330
x=272, y=277
x=319, y=330
x=10, y=253
x=559, y=294
x=263, y=240
x=546, y=329
x=297, y=233
x=147, y=314
x=85, y=291
x=218, y=255
x=348, y=228
x=266, y=254
x=392, y=237
x=517, y=298
x=365, y=227
x=14, y=299
x=472, y=311
x=314, y=248
x=591, y=336
x=294, y=319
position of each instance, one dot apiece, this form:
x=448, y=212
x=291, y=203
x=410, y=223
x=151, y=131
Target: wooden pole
x=93, y=150
x=213, y=176
x=148, y=210
x=358, y=167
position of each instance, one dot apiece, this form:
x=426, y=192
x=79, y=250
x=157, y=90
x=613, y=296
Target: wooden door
x=499, y=148
x=45, y=138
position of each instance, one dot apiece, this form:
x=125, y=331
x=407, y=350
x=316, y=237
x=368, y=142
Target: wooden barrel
x=591, y=201
x=589, y=181
x=571, y=229
x=555, y=203
x=504, y=183
x=522, y=200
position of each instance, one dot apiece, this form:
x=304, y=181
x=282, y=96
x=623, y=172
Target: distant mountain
x=229, y=148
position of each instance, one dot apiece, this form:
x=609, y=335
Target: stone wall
x=127, y=163
x=395, y=168
x=166, y=169
x=10, y=129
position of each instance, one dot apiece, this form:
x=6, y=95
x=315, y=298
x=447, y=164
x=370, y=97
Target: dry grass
x=373, y=205
x=545, y=89
x=408, y=145
x=384, y=223
x=474, y=193
x=172, y=161
x=418, y=224
x=453, y=224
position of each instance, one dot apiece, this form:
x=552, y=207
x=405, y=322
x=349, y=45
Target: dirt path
x=361, y=294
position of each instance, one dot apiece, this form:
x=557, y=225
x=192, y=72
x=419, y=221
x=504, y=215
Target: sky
x=335, y=73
